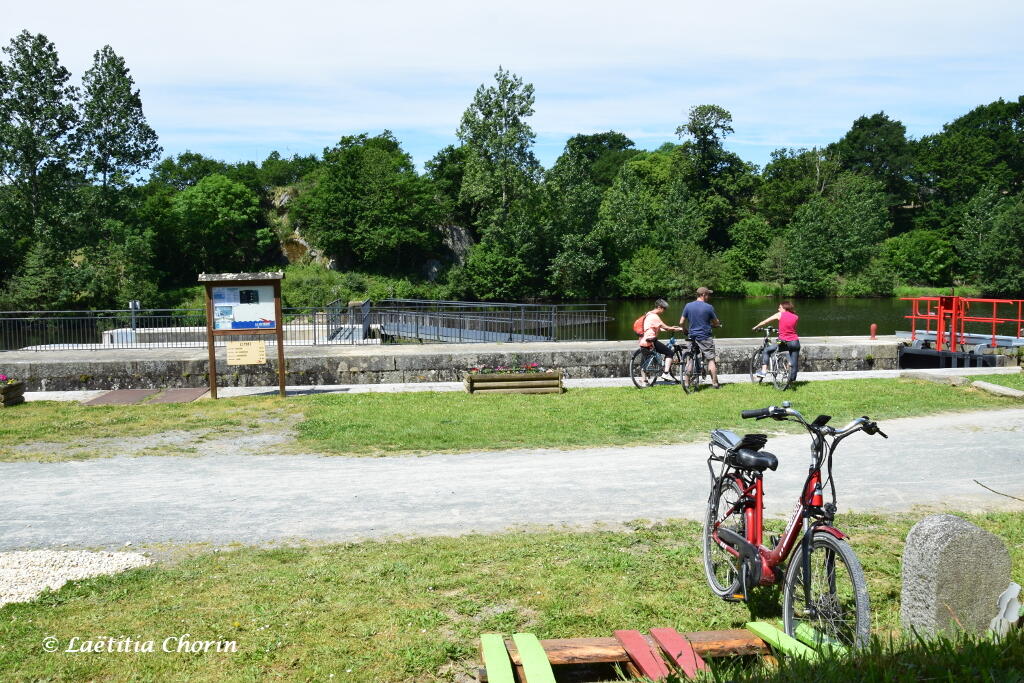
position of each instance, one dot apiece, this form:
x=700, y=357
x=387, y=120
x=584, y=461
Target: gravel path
x=24, y=574
x=261, y=498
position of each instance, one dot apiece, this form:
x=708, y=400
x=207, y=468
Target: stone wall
x=312, y=365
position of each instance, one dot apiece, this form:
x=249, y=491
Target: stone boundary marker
x=998, y=389
x=953, y=575
x=954, y=380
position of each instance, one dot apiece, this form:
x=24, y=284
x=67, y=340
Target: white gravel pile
x=24, y=574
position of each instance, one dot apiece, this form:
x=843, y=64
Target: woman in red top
x=788, y=339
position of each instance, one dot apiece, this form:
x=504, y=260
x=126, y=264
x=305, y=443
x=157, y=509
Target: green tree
x=366, y=206
x=115, y=140
x=446, y=170
x=993, y=241
x=921, y=257
x=37, y=143
x=983, y=147
x=576, y=269
x=603, y=154
x=837, y=234
x=185, y=170
x=750, y=238
x=877, y=146
x=719, y=181
x=791, y=178
x=500, y=166
x=216, y=226
x=707, y=125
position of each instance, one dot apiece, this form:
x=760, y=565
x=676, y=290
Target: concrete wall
x=154, y=368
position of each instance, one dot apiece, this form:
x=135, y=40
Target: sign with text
x=247, y=353
x=246, y=307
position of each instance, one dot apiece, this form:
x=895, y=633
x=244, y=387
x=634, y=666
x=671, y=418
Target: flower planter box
x=514, y=383
x=12, y=394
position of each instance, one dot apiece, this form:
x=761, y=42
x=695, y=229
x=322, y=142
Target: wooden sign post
x=243, y=304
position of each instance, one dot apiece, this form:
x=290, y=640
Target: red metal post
x=874, y=331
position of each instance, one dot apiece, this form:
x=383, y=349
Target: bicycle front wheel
x=755, y=366
x=780, y=378
x=836, y=606
x=721, y=567
x=689, y=372
x=639, y=368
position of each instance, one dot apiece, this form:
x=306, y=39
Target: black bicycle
x=647, y=365
x=779, y=368
x=694, y=370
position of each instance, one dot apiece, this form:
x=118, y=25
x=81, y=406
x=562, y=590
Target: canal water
x=818, y=317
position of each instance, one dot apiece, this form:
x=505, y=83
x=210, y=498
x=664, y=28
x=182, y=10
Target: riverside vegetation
x=92, y=216
x=380, y=424
x=412, y=610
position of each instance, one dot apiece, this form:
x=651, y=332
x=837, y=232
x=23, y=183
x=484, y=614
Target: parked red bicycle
x=823, y=584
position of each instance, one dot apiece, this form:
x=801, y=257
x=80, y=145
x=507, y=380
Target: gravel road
x=929, y=461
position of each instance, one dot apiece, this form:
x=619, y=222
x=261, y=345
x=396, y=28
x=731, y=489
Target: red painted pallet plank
x=679, y=650
x=646, y=660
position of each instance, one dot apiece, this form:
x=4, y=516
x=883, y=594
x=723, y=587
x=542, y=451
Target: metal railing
x=337, y=323
x=467, y=321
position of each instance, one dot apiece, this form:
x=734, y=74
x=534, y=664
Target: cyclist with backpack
x=648, y=326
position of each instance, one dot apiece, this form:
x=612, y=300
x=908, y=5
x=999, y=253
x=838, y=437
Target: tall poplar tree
x=116, y=142
x=37, y=145
x=500, y=167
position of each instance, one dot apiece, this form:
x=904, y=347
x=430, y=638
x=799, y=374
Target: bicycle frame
x=752, y=501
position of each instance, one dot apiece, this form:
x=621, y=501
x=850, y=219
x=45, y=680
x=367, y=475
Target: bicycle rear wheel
x=689, y=372
x=780, y=377
x=722, y=568
x=838, y=607
x=639, y=368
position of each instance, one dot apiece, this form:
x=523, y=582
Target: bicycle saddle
x=749, y=459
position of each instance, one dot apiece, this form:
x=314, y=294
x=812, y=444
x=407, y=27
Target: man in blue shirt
x=699, y=316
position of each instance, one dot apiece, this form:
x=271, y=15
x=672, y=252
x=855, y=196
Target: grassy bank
x=411, y=610
x=381, y=424
x=1012, y=381
x=386, y=423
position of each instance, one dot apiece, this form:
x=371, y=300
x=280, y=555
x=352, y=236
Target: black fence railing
x=389, y=321
x=467, y=321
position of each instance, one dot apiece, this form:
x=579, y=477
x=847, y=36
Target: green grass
x=412, y=610
x=383, y=424
x=1012, y=381
x=65, y=422
x=418, y=422
x=923, y=290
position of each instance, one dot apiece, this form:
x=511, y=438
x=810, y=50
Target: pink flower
x=3, y=378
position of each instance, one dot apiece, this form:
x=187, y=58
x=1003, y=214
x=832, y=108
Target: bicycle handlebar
x=762, y=412
x=781, y=412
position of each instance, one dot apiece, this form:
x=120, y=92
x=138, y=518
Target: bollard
x=874, y=330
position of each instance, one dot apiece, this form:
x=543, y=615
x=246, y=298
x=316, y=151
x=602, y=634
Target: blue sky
x=236, y=80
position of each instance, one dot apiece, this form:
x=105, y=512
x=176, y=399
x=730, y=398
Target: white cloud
x=792, y=71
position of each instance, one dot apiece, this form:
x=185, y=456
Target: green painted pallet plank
x=496, y=660
x=819, y=641
x=534, y=660
x=781, y=642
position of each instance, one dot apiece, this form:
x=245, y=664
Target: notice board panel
x=245, y=307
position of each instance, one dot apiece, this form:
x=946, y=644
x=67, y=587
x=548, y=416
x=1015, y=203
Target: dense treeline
x=81, y=225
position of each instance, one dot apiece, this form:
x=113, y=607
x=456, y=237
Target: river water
x=817, y=316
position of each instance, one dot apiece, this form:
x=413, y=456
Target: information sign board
x=246, y=307
x=246, y=353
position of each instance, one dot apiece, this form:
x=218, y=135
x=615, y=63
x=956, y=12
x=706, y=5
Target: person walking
x=699, y=317
x=789, y=341
x=653, y=324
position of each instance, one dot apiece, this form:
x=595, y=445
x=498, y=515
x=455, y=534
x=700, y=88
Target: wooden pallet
x=596, y=659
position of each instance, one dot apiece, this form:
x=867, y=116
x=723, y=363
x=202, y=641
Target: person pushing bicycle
x=789, y=341
x=653, y=324
x=699, y=316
